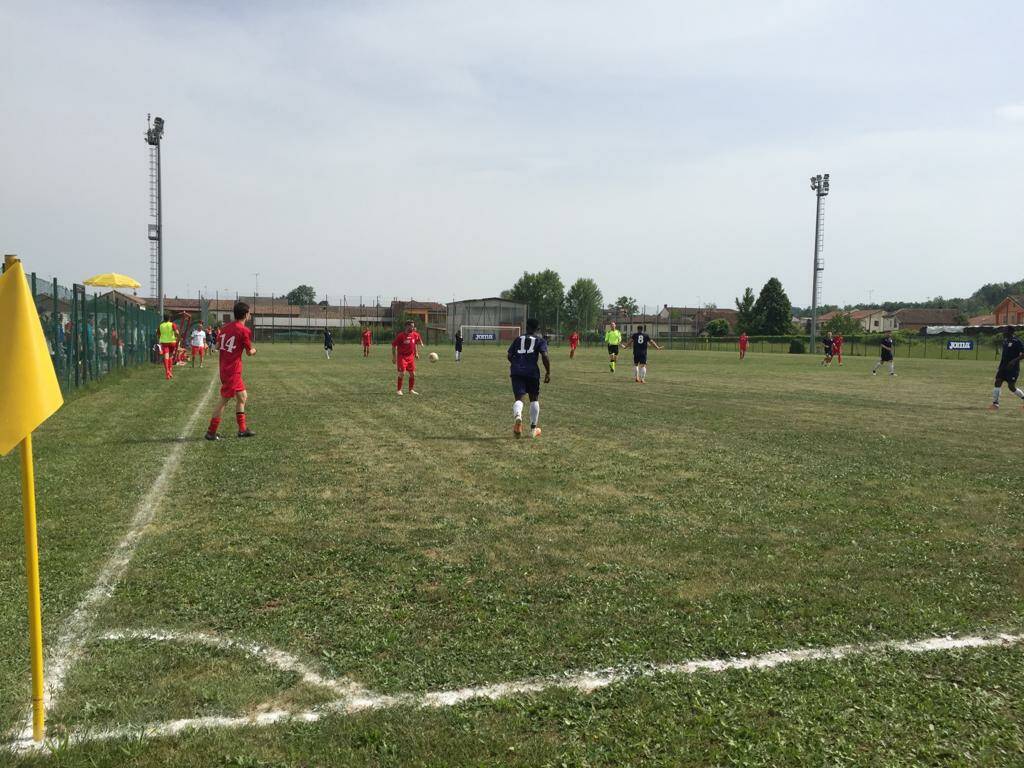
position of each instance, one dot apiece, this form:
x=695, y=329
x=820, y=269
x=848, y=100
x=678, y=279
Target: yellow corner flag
x=29, y=395
x=29, y=392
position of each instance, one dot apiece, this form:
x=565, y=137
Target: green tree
x=303, y=294
x=717, y=327
x=745, y=320
x=773, y=314
x=583, y=304
x=843, y=323
x=627, y=305
x=543, y=294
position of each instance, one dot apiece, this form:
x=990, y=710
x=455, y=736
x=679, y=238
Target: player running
x=639, y=341
x=168, y=338
x=328, y=343
x=525, y=375
x=367, y=341
x=574, y=341
x=458, y=346
x=887, y=353
x=1009, y=367
x=233, y=339
x=613, y=338
x=197, y=342
x=404, y=353
x=837, y=347
x=829, y=344
x=744, y=341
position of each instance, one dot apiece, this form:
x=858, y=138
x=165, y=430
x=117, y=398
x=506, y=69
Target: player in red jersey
x=574, y=341
x=231, y=341
x=367, y=341
x=837, y=347
x=744, y=341
x=405, y=352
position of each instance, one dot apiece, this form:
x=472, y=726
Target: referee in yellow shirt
x=613, y=338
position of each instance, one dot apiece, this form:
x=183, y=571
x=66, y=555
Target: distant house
x=916, y=319
x=982, y=320
x=1010, y=311
x=871, y=320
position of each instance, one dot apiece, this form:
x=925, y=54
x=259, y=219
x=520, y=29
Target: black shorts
x=886, y=357
x=329, y=345
x=526, y=385
x=1009, y=375
x=640, y=358
x=613, y=349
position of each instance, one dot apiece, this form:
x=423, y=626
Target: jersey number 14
x=227, y=343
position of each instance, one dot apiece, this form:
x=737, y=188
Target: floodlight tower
x=820, y=186
x=154, y=133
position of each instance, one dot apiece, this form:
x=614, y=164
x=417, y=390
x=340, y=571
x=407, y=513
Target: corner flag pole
x=35, y=611
x=31, y=395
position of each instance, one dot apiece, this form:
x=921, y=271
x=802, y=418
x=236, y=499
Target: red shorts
x=366, y=344
x=573, y=344
x=198, y=351
x=407, y=364
x=168, y=349
x=743, y=347
x=230, y=387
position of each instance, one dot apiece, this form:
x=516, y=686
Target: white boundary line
x=72, y=639
x=357, y=699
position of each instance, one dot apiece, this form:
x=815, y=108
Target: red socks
x=412, y=381
x=399, y=383
x=214, y=424
x=240, y=418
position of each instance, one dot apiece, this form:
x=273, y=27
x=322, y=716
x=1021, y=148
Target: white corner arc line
x=67, y=650
x=270, y=656
x=581, y=681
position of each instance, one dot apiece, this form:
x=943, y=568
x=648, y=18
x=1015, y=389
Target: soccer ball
x=433, y=357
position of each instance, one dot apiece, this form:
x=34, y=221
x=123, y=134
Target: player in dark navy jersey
x=829, y=343
x=1009, y=367
x=886, y=353
x=523, y=355
x=640, y=341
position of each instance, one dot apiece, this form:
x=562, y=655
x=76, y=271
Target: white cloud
x=1012, y=112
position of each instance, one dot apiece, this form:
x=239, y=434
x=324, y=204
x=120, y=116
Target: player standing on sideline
x=829, y=343
x=837, y=347
x=744, y=341
x=168, y=344
x=613, y=338
x=574, y=341
x=405, y=353
x=458, y=346
x=328, y=343
x=231, y=341
x=639, y=342
x=525, y=375
x=198, y=344
x=1009, y=367
x=367, y=341
x=887, y=353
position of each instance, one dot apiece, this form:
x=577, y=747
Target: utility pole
x=820, y=185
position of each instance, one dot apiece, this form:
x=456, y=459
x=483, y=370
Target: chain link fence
x=91, y=336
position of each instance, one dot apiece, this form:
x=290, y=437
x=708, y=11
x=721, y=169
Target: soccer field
x=376, y=580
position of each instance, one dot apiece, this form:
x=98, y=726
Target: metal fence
x=90, y=336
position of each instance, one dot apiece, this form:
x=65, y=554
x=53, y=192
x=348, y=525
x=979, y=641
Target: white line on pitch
x=68, y=648
x=582, y=681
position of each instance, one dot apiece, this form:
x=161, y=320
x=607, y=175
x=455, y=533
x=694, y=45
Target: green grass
x=412, y=544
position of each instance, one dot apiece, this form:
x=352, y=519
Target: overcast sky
x=438, y=149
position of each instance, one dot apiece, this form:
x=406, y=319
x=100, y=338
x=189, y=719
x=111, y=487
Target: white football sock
x=995, y=395
x=636, y=371
x=534, y=412
x=517, y=409
x=892, y=367
x=643, y=373
x=1019, y=393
